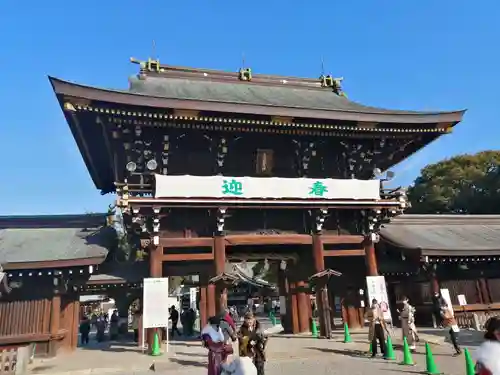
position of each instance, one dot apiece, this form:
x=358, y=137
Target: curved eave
x=69, y=89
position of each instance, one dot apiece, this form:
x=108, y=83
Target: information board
x=378, y=290
x=156, y=303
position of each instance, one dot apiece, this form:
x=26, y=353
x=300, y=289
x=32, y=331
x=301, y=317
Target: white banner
x=155, y=303
x=445, y=294
x=192, y=298
x=264, y=188
x=378, y=290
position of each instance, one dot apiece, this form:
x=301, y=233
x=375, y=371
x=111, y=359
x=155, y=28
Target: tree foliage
x=464, y=184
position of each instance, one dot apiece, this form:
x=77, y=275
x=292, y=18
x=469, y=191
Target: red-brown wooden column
x=285, y=303
x=203, y=306
x=322, y=294
x=370, y=257
x=294, y=307
x=76, y=323
x=155, y=270
x=55, y=321
x=220, y=265
x=303, y=306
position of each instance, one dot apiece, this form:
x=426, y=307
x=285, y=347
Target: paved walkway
x=293, y=355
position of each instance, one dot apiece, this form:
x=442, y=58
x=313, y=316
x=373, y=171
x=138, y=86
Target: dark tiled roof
x=251, y=93
x=52, y=238
x=441, y=235
x=113, y=273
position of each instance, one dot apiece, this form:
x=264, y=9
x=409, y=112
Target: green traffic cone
x=469, y=364
x=389, y=350
x=155, y=350
x=429, y=361
x=407, y=358
x=314, y=328
x=347, y=335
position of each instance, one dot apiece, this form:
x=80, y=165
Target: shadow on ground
x=347, y=352
x=185, y=362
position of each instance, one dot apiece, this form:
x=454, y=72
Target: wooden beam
x=344, y=253
x=186, y=257
x=186, y=242
x=272, y=239
x=332, y=239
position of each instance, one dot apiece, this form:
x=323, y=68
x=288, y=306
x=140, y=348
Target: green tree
x=464, y=184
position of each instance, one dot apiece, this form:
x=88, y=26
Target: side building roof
x=445, y=235
x=34, y=242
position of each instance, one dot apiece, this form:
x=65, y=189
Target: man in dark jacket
x=437, y=302
x=174, y=317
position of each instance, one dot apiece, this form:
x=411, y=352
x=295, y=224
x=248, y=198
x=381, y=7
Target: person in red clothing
x=488, y=354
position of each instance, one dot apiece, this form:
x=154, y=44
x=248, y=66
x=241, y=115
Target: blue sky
x=423, y=55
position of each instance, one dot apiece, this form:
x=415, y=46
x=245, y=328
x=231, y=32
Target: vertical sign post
x=378, y=290
x=155, y=305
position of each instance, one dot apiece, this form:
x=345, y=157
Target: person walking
x=407, y=317
x=437, y=302
x=451, y=325
x=84, y=330
x=377, y=328
x=174, y=317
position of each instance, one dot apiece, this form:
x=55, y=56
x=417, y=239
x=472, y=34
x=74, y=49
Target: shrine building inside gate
x=211, y=166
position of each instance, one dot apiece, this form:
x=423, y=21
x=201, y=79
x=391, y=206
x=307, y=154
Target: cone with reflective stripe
x=429, y=361
x=347, y=335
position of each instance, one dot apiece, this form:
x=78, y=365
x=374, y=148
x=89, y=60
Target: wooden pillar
x=155, y=270
x=434, y=284
x=294, y=308
x=55, y=322
x=211, y=309
x=220, y=265
x=370, y=257
x=285, y=301
x=304, y=306
x=203, y=306
x=321, y=292
x=76, y=323
x=483, y=287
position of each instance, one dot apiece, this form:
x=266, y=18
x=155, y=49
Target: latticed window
x=465, y=287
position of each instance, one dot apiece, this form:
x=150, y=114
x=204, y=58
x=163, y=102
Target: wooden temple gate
x=290, y=165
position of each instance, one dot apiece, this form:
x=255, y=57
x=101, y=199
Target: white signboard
x=264, y=188
x=378, y=290
x=155, y=303
x=462, y=301
x=445, y=294
x=192, y=298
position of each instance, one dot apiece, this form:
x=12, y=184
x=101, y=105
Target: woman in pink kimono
x=213, y=340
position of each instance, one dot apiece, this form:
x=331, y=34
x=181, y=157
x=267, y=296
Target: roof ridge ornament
x=334, y=83
x=150, y=65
